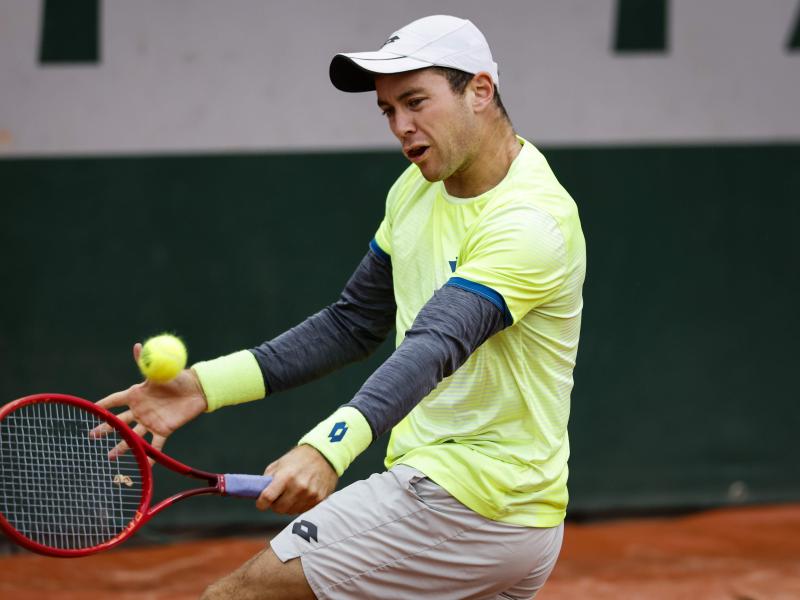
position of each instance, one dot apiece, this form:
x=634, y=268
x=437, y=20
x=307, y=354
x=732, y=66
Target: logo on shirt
x=453, y=264
x=338, y=432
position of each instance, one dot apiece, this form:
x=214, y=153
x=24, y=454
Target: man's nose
x=403, y=124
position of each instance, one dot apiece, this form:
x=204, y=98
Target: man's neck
x=489, y=165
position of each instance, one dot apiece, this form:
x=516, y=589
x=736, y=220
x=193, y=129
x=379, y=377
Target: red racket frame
x=141, y=450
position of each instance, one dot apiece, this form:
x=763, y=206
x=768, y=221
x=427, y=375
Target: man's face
x=434, y=125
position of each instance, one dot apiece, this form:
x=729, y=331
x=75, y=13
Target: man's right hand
x=158, y=408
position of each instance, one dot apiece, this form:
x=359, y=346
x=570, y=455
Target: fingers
x=301, y=478
x=270, y=494
x=158, y=442
x=141, y=431
x=290, y=494
x=122, y=398
x=118, y=450
x=104, y=428
x=114, y=400
x=123, y=446
x=294, y=500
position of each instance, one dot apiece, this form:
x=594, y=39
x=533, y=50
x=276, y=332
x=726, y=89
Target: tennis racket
x=61, y=494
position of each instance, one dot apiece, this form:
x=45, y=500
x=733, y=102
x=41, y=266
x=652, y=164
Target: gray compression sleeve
x=447, y=330
x=346, y=331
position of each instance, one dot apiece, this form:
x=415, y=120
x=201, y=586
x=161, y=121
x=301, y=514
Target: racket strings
x=58, y=486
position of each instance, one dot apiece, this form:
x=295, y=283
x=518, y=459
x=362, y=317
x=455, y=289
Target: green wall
x=684, y=382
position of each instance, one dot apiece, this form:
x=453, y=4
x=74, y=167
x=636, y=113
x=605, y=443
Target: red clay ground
x=733, y=554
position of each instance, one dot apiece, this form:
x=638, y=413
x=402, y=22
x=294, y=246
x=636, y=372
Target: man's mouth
x=417, y=152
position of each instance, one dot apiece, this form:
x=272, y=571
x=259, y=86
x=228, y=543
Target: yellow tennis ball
x=162, y=358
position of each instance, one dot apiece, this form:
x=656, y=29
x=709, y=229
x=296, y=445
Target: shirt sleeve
x=348, y=330
x=381, y=244
x=447, y=330
x=516, y=257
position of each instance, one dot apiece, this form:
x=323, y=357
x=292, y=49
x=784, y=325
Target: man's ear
x=481, y=90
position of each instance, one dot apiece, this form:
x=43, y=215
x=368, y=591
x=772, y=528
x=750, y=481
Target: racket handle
x=245, y=486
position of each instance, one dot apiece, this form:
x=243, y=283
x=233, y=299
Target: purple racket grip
x=245, y=486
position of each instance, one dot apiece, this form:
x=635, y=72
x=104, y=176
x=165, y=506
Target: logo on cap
x=391, y=40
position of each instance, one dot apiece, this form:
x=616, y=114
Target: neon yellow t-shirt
x=494, y=433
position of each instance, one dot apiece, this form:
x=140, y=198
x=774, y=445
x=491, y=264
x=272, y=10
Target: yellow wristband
x=341, y=437
x=230, y=379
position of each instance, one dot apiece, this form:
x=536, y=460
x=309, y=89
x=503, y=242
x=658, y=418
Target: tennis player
x=478, y=264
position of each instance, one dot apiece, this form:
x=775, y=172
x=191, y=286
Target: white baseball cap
x=435, y=41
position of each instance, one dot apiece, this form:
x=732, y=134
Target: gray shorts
x=399, y=535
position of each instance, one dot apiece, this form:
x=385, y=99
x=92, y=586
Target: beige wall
x=200, y=75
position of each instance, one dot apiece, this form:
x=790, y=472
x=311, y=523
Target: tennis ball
x=162, y=358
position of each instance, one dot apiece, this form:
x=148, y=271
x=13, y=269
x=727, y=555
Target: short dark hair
x=458, y=81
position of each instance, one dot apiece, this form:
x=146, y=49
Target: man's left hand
x=301, y=479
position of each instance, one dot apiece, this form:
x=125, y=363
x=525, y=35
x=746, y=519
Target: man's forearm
x=448, y=329
x=344, y=332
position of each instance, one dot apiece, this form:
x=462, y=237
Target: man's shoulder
x=531, y=174
x=531, y=202
x=532, y=185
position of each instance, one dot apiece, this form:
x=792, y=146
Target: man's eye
x=387, y=112
x=415, y=102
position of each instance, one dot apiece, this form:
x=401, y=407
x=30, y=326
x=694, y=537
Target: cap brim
x=356, y=72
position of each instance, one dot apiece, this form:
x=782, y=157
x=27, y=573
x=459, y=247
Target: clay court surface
x=738, y=554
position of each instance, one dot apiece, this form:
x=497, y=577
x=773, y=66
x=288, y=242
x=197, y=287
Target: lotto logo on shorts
x=306, y=530
x=338, y=432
